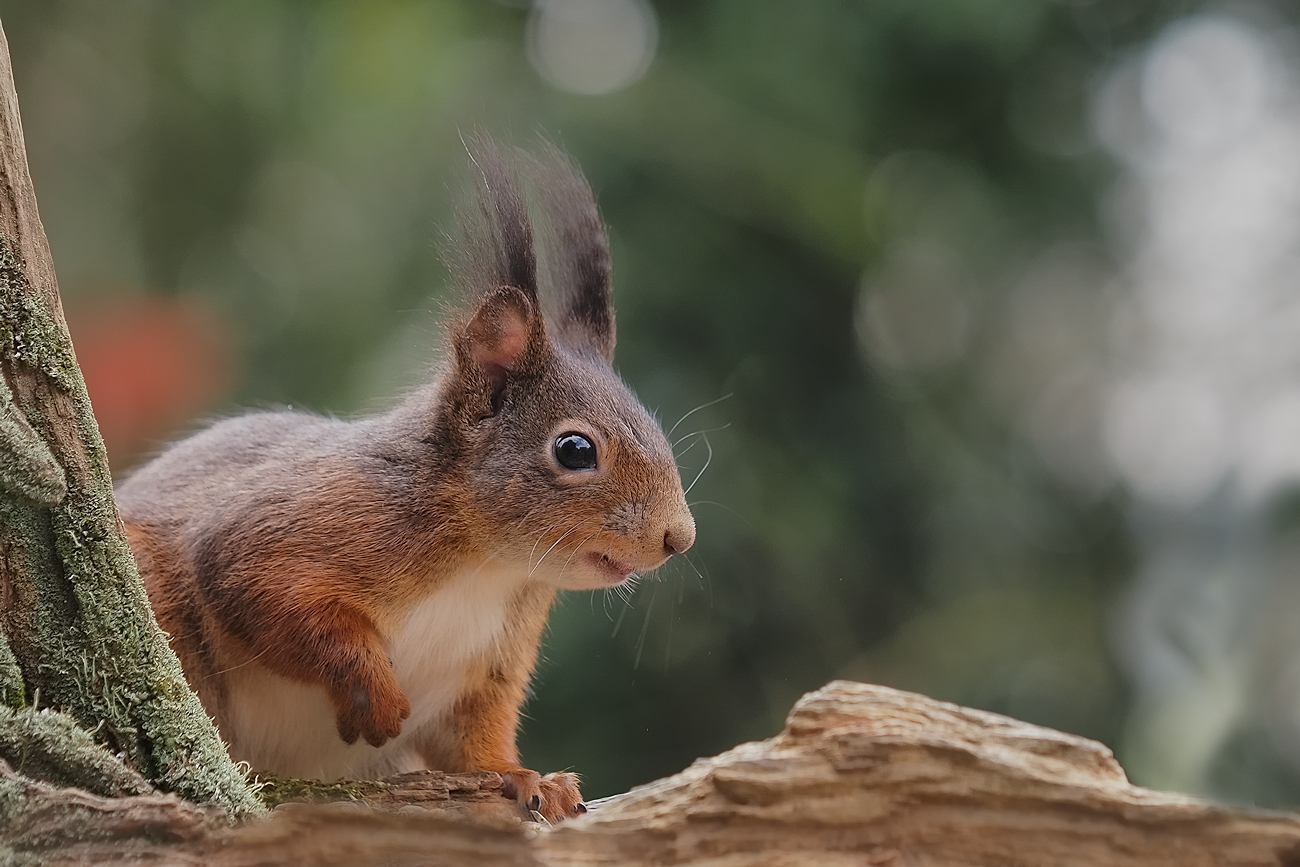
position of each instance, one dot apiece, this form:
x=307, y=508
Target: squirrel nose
x=679, y=538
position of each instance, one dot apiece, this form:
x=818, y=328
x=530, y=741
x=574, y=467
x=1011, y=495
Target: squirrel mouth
x=614, y=571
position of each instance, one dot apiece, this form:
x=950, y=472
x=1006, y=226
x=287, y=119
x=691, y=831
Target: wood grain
x=860, y=775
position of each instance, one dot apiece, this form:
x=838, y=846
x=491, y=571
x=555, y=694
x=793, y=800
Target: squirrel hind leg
x=554, y=796
x=173, y=596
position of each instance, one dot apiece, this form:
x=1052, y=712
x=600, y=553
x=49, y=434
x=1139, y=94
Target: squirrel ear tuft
x=494, y=342
x=577, y=256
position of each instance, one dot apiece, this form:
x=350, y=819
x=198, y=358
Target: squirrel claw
x=553, y=797
x=376, y=739
x=372, y=711
x=348, y=733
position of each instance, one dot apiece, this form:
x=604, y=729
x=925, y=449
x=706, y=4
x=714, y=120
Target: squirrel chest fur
x=356, y=599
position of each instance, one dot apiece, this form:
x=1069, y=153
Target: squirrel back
x=354, y=598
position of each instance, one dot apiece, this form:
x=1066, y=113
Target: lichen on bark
x=273, y=790
x=50, y=746
x=13, y=693
x=75, y=613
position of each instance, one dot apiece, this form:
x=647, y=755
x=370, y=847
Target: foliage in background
x=824, y=211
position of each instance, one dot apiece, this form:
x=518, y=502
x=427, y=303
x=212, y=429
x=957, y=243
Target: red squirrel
x=363, y=598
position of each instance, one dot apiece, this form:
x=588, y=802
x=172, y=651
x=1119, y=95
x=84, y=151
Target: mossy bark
x=78, y=624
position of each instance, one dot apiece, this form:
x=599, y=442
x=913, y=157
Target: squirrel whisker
x=622, y=614
x=707, y=461
x=236, y=667
x=576, y=549
x=540, y=537
x=645, y=626
x=696, y=433
x=561, y=539
x=697, y=409
x=699, y=575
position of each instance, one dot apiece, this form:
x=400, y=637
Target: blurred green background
x=894, y=235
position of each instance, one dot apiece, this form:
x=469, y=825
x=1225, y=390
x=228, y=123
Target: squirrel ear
x=495, y=341
x=577, y=261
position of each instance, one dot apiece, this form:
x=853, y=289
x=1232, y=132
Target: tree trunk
x=81, y=637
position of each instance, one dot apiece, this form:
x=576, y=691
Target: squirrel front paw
x=372, y=709
x=554, y=796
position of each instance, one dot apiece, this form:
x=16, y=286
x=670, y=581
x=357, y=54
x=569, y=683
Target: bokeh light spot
x=1167, y=436
x=592, y=47
x=913, y=313
x=1205, y=81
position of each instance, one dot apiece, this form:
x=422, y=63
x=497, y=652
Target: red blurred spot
x=151, y=365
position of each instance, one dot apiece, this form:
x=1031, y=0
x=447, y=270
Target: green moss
x=279, y=790
x=13, y=694
x=78, y=623
x=13, y=798
x=50, y=746
x=27, y=466
x=26, y=332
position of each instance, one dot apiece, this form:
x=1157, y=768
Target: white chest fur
x=287, y=727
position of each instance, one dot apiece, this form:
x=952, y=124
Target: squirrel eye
x=575, y=452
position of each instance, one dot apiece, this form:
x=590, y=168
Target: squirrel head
x=566, y=469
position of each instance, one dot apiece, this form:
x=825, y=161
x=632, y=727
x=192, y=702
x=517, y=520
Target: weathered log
x=861, y=775
x=44, y=825
x=473, y=794
x=870, y=775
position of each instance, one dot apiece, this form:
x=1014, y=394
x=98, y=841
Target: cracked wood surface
x=870, y=775
x=861, y=775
